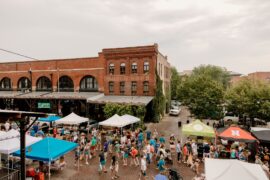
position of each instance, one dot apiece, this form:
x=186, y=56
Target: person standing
x=7, y=125
x=143, y=167
x=178, y=151
x=194, y=148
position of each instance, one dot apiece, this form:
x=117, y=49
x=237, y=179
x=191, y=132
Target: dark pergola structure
x=22, y=118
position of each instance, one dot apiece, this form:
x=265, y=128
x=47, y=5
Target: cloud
x=228, y=33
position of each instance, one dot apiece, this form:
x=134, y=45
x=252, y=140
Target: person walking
x=102, y=163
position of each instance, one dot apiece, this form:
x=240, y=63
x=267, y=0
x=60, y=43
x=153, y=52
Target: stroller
x=174, y=175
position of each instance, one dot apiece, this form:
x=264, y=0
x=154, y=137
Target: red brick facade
x=97, y=67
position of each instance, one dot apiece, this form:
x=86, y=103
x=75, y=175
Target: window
x=111, y=68
x=145, y=87
x=111, y=87
x=133, y=88
x=122, y=87
x=44, y=84
x=5, y=84
x=146, y=67
x=89, y=83
x=134, y=67
x=122, y=68
x=24, y=83
x=66, y=84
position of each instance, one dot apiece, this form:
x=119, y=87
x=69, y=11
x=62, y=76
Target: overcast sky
x=231, y=33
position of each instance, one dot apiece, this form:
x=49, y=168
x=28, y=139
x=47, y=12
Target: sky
x=234, y=34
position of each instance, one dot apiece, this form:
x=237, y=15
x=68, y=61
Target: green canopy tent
x=198, y=128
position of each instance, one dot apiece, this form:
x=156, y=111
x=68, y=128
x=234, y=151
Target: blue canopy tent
x=48, y=149
x=50, y=118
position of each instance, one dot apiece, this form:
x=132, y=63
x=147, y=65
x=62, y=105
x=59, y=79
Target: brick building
x=117, y=75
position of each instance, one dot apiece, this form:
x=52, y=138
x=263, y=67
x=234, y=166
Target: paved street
x=167, y=126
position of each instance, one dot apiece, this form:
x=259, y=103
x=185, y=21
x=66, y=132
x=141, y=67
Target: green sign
x=44, y=105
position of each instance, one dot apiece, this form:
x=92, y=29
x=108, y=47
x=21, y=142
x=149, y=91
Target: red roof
x=236, y=133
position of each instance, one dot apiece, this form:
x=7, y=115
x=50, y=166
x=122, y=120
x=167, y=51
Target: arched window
x=24, y=83
x=44, y=84
x=111, y=68
x=122, y=68
x=88, y=83
x=5, y=84
x=134, y=67
x=66, y=84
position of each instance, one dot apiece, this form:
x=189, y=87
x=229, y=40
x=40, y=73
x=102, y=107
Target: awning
x=198, y=128
x=224, y=169
x=50, y=118
x=119, y=121
x=11, y=145
x=48, y=149
x=235, y=133
x=9, y=135
x=48, y=95
x=72, y=119
x=263, y=136
x=133, y=100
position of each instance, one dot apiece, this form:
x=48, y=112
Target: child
x=77, y=155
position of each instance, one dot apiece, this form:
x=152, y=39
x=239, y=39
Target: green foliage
x=215, y=73
x=175, y=82
x=110, y=109
x=203, y=95
x=158, y=101
x=249, y=98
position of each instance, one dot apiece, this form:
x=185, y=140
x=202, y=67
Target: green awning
x=198, y=128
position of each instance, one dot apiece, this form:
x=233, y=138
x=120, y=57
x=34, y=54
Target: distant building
x=255, y=76
x=117, y=75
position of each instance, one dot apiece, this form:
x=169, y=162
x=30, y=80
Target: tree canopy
x=175, y=83
x=203, y=91
x=249, y=98
x=215, y=73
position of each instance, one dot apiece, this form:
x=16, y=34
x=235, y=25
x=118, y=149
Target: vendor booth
x=48, y=150
x=224, y=169
x=119, y=121
x=262, y=134
x=235, y=133
x=72, y=119
x=198, y=128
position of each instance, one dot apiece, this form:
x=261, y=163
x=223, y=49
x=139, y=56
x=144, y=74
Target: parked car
x=175, y=111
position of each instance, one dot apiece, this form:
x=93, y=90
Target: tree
x=175, y=82
x=248, y=98
x=111, y=109
x=215, y=73
x=203, y=95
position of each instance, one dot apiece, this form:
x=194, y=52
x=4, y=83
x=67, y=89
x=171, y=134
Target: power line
x=18, y=54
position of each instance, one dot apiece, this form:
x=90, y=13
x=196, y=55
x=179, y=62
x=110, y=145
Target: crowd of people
x=117, y=149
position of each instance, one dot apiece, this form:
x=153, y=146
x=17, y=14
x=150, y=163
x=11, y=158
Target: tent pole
x=8, y=166
x=49, y=170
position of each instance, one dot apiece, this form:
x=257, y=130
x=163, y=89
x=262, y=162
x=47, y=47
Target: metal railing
x=9, y=174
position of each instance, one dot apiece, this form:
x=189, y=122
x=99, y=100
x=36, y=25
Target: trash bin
x=187, y=121
x=179, y=123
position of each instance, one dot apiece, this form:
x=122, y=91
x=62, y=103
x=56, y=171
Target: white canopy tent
x=224, y=169
x=9, y=146
x=9, y=135
x=72, y=119
x=253, y=129
x=130, y=119
x=119, y=121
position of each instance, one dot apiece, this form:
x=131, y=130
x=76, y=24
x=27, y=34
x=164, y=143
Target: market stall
x=262, y=134
x=198, y=128
x=224, y=169
x=235, y=133
x=48, y=150
x=72, y=119
x=119, y=121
